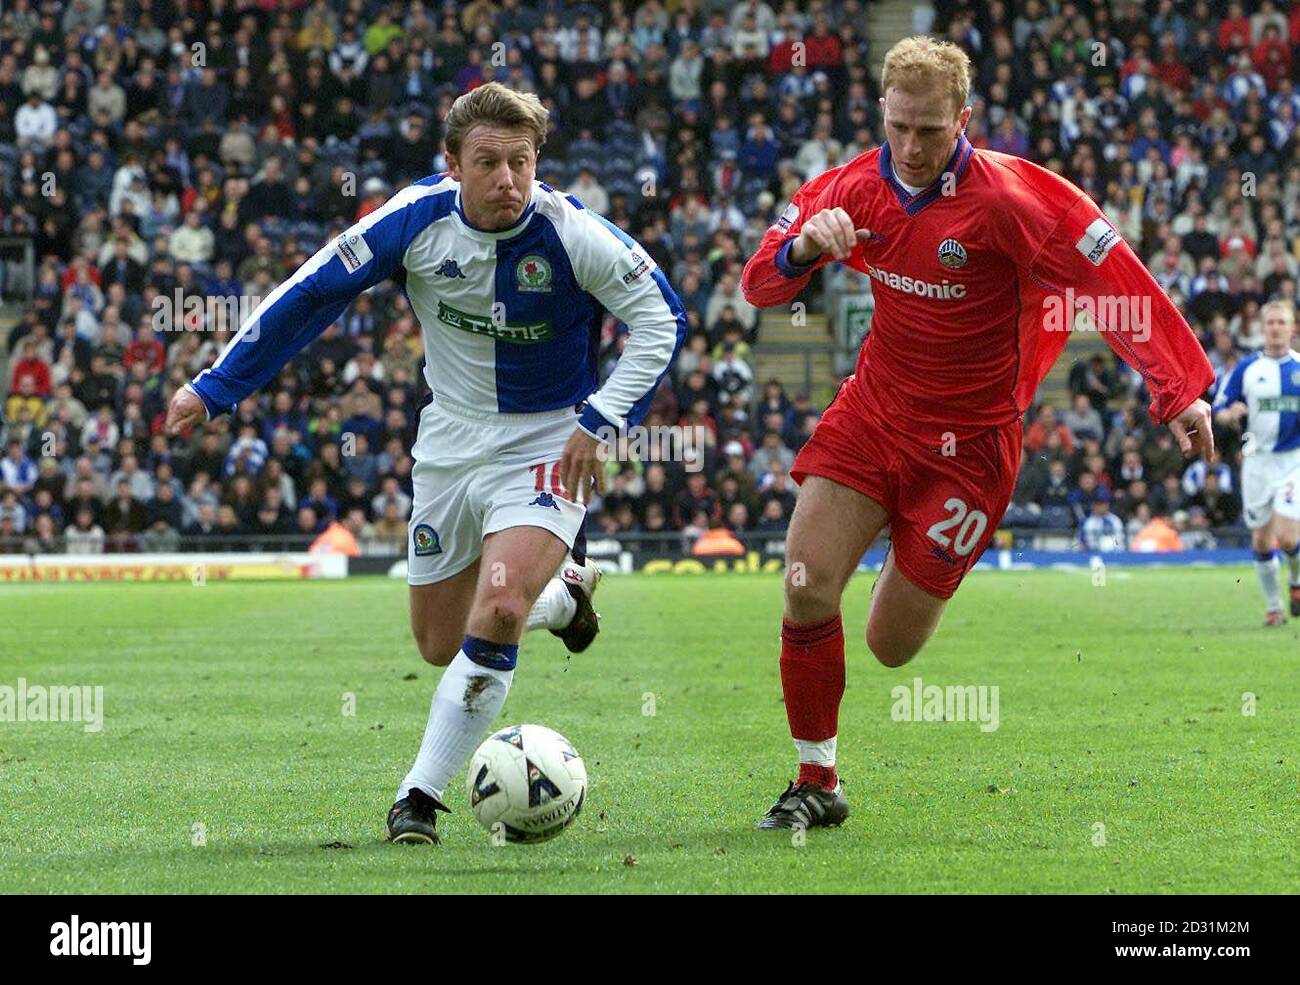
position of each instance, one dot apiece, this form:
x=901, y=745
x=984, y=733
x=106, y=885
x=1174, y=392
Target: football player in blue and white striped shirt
x=1263, y=393
x=507, y=277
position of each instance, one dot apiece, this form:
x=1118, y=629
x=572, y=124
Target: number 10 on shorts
x=539, y=478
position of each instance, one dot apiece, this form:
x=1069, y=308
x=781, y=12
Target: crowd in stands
x=164, y=155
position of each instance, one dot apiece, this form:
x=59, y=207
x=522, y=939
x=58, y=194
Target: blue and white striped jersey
x=508, y=317
x=1102, y=533
x=1271, y=389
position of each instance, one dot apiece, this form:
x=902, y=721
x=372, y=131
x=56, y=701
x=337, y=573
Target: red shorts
x=943, y=508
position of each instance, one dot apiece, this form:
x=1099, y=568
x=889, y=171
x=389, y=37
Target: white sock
x=467, y=700
x=554, y=608
x=1293, y=562
x=1267, y=571
x=821, y=753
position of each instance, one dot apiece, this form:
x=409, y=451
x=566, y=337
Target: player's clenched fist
x=829, y=231
x=185, y=411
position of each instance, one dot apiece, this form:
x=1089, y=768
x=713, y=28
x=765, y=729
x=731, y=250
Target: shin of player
x=505, y=604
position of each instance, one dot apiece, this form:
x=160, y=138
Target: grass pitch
x=1125, y=759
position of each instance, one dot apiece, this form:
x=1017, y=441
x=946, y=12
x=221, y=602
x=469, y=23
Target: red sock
x=812, y=679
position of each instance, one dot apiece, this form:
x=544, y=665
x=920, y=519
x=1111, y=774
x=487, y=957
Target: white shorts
x=477, y=472
x=1270, y=483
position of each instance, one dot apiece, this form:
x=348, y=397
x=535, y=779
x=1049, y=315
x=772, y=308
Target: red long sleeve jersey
x=973, y=280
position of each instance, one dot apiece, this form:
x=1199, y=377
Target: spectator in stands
x=31, y=373
x=124, y=517
x=204, y=523
x=1093, y=380
x=1082, y=420
x=85, y=536
x=1196, y=476
x=17, y=471
x=697, y=500
x=1101, y=530
x=776, y=484
x=1045, y=426
x=732, y=374
x=589, y=191
x=1221, y=507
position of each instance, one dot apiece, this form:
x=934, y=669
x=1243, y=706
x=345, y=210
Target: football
x=526, y=782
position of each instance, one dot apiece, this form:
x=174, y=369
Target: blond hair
x=495, y=105
x=920, y=65
x=1281, y=305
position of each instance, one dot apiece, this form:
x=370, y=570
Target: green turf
x=1120, y=705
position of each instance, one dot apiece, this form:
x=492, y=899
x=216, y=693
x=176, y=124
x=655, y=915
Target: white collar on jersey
x=911, y=189
x=495, y=234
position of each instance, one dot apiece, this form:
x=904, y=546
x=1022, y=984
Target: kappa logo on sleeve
x=353, y=250
x=1097, y=241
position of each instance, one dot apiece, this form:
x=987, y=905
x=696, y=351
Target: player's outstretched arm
x=1075, y=252
x=303, y=306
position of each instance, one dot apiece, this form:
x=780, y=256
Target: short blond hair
x=1280, y=305
x=920, y=64
x=496, y=105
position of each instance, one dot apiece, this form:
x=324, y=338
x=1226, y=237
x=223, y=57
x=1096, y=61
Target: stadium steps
x=1055, y=388
x=10, y=314
x=887, y=23
x=801, y=356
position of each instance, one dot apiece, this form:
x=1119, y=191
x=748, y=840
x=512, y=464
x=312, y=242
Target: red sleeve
x=769, y=279
x=1074, y=256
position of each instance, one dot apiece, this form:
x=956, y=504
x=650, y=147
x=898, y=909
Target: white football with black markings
x=526, y=783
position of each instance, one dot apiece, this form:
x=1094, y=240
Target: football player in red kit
x=980, y=262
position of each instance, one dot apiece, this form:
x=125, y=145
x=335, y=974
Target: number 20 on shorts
x=970, y=526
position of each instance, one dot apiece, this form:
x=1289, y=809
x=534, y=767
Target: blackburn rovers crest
x=952, y=254
x=425, y=539
x=533, y=273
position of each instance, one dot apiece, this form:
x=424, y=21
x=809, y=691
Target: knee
x=504, y=615
x=810, y=597
x=890, y=649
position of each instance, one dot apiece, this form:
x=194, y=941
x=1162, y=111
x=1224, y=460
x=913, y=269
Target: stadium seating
x=57, y=378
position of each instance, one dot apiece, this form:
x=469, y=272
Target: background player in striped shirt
x=1262, y=395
